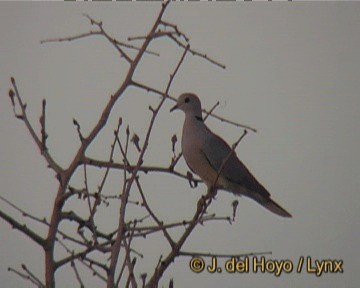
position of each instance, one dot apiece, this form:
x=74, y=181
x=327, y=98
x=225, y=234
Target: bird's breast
x=192, y=142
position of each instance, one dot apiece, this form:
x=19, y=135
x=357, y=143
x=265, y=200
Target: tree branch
x=23, y=228
x=23, y=117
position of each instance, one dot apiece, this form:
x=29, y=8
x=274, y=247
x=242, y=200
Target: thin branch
x=222, y=119
x=24, y=229
x=202, y=205
x=94, y=271
x=73, y=266
x=23, y=116
x=32, y=275
x=127, y=261
x=72, y=216
x=127, y=45
x=172, y=35
x=23, y=212
x=145, y=169
x=158, y=222
x=43, y=129
x=71, y=38
x=176, y=29
x=196, y=53
x=144, y=231
x=92, y=209
x=116, y=247
x=81, y=256
x=231, y=153
x=208, y=113
x=74, y=256
x=78, y=129
x=110, y=39
x=44, y=221
x=25, y=277
x=95, y=33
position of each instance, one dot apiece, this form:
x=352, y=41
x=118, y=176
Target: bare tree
x=87, y=244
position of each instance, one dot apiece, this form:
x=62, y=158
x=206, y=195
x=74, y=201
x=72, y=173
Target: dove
x=208, y=156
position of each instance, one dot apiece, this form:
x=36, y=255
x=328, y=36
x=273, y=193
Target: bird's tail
x=258, y=193
x=274, y=207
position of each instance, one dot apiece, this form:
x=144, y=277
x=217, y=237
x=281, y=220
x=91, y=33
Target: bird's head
x=189, y=103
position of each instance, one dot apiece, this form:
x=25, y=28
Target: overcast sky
x=292, y=72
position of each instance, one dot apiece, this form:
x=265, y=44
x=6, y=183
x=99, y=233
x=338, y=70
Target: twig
x=23, y=228
x=234, y=205
x=222, y=119
x=211, y=110
x=232, y=151
x=145, y=169
x=158, y=222
x=23, y=212
x=78, y=129
x=111, y=40
x=81, y=256
x=26, y=277
x=194, y=52
x=202, y=205
x=96, y=33
x=92, y=208
x=94, y=271
x=129, y=264
x=71, y=38
x=127, y=261
x=73, y=266
x=23, y=116
x=143, y=231
x=43, y=130
x=32, y=275
x=172, y=35
x=176, y=29
x=116, y=247
x=43, y=221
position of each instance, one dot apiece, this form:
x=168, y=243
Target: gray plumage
x=205, y=152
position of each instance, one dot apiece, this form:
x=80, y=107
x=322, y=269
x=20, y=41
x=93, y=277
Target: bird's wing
x=216, y=151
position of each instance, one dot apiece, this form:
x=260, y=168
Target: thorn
x=234, y=204
x=151, y=109
x=173, y=141
x=11, y=95
x=135, y=139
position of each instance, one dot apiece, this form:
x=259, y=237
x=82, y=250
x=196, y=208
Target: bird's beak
x=174, y=108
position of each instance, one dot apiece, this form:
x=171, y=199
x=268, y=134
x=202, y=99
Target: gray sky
x=292, y=72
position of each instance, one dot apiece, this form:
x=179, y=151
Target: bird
x=208, y=156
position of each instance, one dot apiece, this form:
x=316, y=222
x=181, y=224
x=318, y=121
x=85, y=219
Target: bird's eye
x=187, y=100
